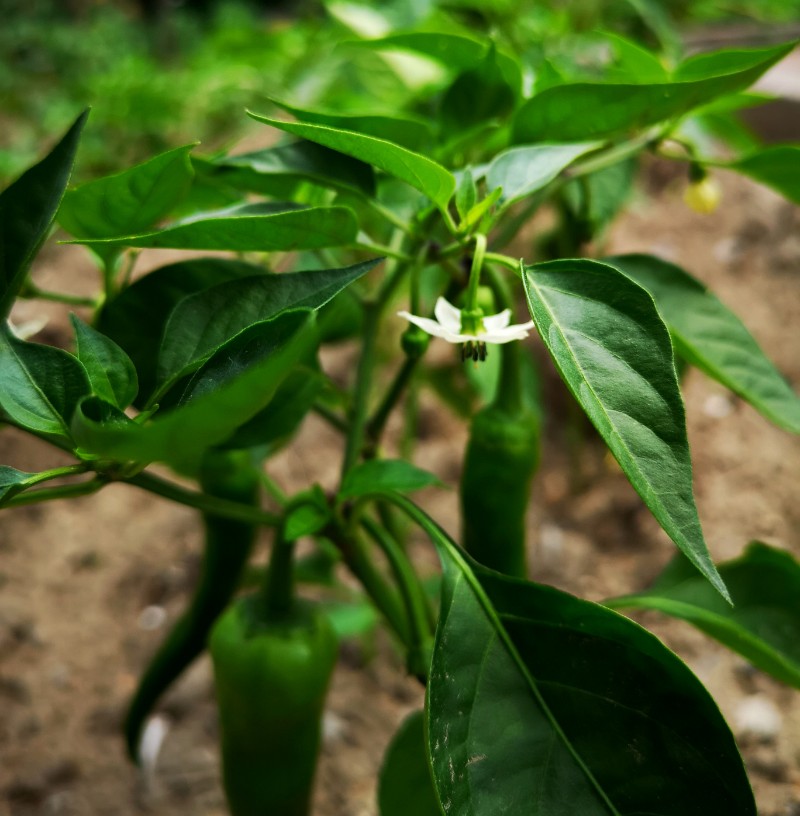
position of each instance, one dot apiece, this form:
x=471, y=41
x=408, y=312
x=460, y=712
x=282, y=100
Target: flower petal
x=431, y=327
x=518, y=331
x=497, y=321
x=447, y=315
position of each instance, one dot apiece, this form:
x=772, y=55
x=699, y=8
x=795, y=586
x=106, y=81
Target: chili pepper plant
x=396, y=230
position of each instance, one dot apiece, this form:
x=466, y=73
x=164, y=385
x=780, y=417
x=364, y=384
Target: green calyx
x=472, y=321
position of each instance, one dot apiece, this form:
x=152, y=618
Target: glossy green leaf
x=96, y=413
x=728, y=61
x=635, y=63
x=540, y=702
x=42, y=385
x=405, y=786
x=149, y=302
x=596, y=199
x=524, y=170
x=477, y=96
x=27, y=210
x=215, y=410
x=764, y=623
x=128, y=202
x=299, y=228
x=385, y=474
x=708, y=335
x=482, y=208
x=12, y=481
x=614, y=353
x=581, y=111
x=307, y=518
x=420, y=172
x=466, y=193
x=352, y=618
x=777, y=167
x=111, y=373
x=455, y=51
x=202, y=322
x=414, y=134
x=302, y=160
x=276, y=423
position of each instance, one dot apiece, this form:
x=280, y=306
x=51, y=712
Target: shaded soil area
x=79, y=580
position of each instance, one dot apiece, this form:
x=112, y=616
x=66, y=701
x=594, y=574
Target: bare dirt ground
x=75, y=577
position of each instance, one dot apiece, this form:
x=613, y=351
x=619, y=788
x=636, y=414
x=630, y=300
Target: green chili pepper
x=273, y=659
x=501, y=459
x=227, y=547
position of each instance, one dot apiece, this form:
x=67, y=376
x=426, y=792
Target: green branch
x=213, y=505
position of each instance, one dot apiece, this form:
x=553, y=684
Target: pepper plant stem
x=361, y=565
x=417, y=612
x=212, y=505
x=377, y=423
x=69, y=491
x=366, y=364
x=278, y=588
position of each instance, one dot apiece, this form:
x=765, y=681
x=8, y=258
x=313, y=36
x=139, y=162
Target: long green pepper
x=501, y=458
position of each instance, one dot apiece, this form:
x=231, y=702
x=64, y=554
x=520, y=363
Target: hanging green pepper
x=227, y=547
x=273, y=658
x=501, y=458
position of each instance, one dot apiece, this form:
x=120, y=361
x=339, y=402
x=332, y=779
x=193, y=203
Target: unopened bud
x=703, y=196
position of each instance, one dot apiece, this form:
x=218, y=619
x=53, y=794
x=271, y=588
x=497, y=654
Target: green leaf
x=474, y=216
x=581, y=111
x=308, y=517
x=764, y=623
x=42, y=386
x=299, y=161
x=149, y=302
x=635, y=63
x=219, y=403
x=477, y=96
x=385, y=474
x=596, y=199
x=614, y=353
x=405, y=786
x=93, y=413
x=414, y=134
x=540, y=702
x=708, y=335
x=454, y=51
x=12, y=481
x=128, y=202
x=466, y=193
x=777, y=167
x=27, y=209
x=202, y=322
x=351, y=619
x=420, y=172
x=111, y=373
x=300, y=228
x=524, y=170
x=278, y=422
x=729, y=61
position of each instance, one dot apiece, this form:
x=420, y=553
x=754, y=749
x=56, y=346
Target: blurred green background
x=159, y=73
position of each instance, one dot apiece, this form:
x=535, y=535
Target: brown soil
x=76, y=576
